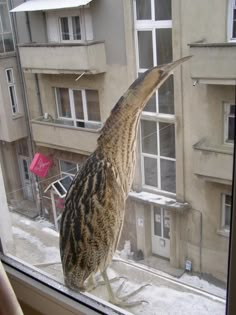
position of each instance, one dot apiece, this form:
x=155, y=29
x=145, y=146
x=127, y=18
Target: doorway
x=160, y=231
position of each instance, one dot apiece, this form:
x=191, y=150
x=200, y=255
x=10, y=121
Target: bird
x=93, y=217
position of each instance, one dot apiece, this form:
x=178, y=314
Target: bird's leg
x=93, y=283
x=121, y=300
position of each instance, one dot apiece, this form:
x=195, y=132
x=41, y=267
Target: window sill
x=42, y=293
x=159, y=200
x=223, y=232
x=17, y=116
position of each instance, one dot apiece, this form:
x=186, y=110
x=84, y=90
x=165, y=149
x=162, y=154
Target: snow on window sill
x=159, y=200
x=223, y=232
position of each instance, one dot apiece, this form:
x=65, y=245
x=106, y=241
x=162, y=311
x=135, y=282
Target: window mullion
x=72, y=106
x=70, y=27
x=158, y=159
x=84, y=101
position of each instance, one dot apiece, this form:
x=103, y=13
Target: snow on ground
x=37, y=244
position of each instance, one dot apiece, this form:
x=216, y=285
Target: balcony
x=63, y=137
x=213, y=162
x=57, y=58
x=213, y=63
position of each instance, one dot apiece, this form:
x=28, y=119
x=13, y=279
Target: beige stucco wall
x=12, y=127
x=202, y=112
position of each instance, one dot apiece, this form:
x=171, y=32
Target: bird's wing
x=92, y=219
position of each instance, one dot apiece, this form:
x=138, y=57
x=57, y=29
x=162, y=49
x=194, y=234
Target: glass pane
x=151, y=104
x=66, y=182
x=167, y=139
x=59, y=188
x=13, y=96
x=2, y=49
x=232, y=109
x=163, y=9
x=149, y=137
x=68, y=167
x=143, y=8
x=145, y=49
x=93, y=105
x=168, y=181
x=150, y=171
x=166, y=224
x=5, y=21
x=227, y=216
x=79, y=112
x=228, y=200
x=157, y=221
x=164, y=45
x=231, y=129
x=65, y=28
x=76, y=27
x=63, y=102
x=234, y=24
x=9, y=73
x=8, y=42
x=166, y=97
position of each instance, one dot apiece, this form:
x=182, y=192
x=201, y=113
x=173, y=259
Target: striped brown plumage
x=94, y=211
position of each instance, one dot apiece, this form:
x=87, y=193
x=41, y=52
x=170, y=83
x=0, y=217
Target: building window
x=79, y=108
x=232, y=20
x=12, y=90
x=226, y=211
x=6, y=39
x=153, y=29
x=229, y=117
x=68, y=168
x=70, y=28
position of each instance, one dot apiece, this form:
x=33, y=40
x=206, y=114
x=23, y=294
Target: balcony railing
x=213, y=63
x=213, y=162
x=56, y=58
x=58, y=134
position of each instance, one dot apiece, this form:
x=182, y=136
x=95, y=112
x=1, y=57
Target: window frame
x=70, y=25
x=12, y=86
x=227, y=115
x=63, y=173
x=152, y=26
x=157, y=156
x=2, y=34
x=223, y=210
x=73, y=118
x=231, y=8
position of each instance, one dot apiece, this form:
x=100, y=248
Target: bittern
x=93, y=217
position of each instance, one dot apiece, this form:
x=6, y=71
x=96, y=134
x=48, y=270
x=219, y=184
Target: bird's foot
x=122, y=301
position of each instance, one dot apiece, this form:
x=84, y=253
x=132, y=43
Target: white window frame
x=5, y=33
x=12, y=86
x=157, y=156
x=152, y=25
x=223, y=206
x=88, y=123
x=63, y=173
x=70, y=24
x=226, y=122
x=232, y=7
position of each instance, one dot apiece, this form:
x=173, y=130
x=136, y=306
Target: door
x=161, y=232
x=26, y=178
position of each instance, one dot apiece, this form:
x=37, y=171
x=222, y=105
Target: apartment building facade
x=78, y=61
x=15, y=152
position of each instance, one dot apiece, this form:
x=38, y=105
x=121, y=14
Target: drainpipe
x=200, y=241
x=30, y=141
